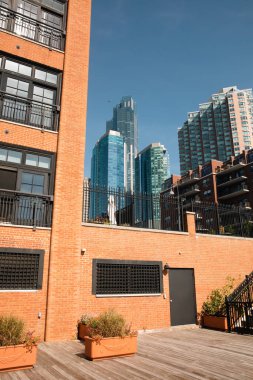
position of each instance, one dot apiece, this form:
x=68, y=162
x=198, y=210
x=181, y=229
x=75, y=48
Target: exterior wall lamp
x=166, y=267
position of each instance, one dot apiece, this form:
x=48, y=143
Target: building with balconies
x=222, y=127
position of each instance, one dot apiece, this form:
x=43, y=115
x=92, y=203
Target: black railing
x=25, y=209
x=28, y=111
x=118, y=207
x=165, y=212
x=239, y=306
x=221, y=219
x=32, y=29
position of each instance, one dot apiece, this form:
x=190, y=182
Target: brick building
x=53, y=268
x=229, y=182
x=44, y=53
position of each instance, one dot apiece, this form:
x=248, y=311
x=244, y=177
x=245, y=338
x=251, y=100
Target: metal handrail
x=28, y=111
x=43, y=33
x=21, y=208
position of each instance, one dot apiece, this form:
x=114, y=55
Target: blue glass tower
x=125, y=121
x=107, y=171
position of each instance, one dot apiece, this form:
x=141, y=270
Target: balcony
x=28, y=111
x=191, y=191
x=232, y=181
x=230, y=168
x=32, y=29
x=25, y=209
x=188, y=180
x=234, y=192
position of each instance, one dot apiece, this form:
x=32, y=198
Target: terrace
x=176, y=354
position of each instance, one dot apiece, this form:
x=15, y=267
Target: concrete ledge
x=111, y=227
x=27, y=227
x=42, y=130
x=223, y=237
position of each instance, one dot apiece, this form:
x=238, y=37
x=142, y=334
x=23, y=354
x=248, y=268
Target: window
x=18, y=67
x=45, y=76
x=21, y=269
x=40, y=161
x=42, y=21
x=10, y=156
x=112, y=277
x=26, y=171
x=32, y=183
x=31, y=94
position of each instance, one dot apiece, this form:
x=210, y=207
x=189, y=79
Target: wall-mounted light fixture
x=166, y=267
x=83, y=250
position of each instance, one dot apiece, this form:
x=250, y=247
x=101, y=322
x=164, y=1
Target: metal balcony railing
x=25, y=209
x=32, y=29
x=28, y=111
x=239, y=306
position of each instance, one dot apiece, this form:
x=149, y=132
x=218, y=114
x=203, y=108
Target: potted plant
x=83, y=329
x=109, y=336
x=214, y=308
x=18, y=349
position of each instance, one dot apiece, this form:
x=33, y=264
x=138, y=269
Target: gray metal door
x=182, y=297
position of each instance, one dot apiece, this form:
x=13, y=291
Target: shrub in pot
x=109, y=336
x=83, y=329
x=214, y=308
x=18, y=349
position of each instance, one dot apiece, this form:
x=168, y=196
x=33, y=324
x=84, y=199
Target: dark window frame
x=39, y=252
x=19, y=168
x=126, y=262
x=42, y=6
x=5, y=73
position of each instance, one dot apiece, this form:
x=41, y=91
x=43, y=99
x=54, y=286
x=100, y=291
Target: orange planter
x=216, y=323
x=83, y=331
x=13, y=358
x=109, y=347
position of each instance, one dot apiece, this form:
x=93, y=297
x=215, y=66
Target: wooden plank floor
x=177, y=354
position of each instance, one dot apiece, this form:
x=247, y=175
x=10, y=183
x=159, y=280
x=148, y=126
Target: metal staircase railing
x=239, y=306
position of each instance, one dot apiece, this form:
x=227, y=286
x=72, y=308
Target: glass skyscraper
x=151, y=170
x=221, y=128
x=107, y=171
x=125, y=121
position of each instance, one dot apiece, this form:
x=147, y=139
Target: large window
x=129, y=278
x=31, y=94
x=26, y=171
x=21, y=269
x=42, y=21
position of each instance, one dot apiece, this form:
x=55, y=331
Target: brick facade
x=67, y=275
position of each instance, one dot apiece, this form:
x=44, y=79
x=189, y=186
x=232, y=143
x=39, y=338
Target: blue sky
x=170, y=55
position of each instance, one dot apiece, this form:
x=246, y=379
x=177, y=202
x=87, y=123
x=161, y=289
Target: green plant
x=12, y=332
x=109, y=324
x=215, y=303
x=85, y=319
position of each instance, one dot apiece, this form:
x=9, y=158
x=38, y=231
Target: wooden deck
x=177, y=354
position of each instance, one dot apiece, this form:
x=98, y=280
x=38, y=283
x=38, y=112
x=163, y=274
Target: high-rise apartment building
x=151, y=169
x=221, y=128
x=44, y=55
x=125, y=121
x=107, y=170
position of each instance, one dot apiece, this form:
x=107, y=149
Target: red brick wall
x=23, y=48
x=67, y=215
x=213, y=259
x=26, y=136
x=26, y=304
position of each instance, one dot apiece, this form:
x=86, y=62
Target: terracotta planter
x=216, y=323
x=109, y=347
x=83, y=331
x=13, y=358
